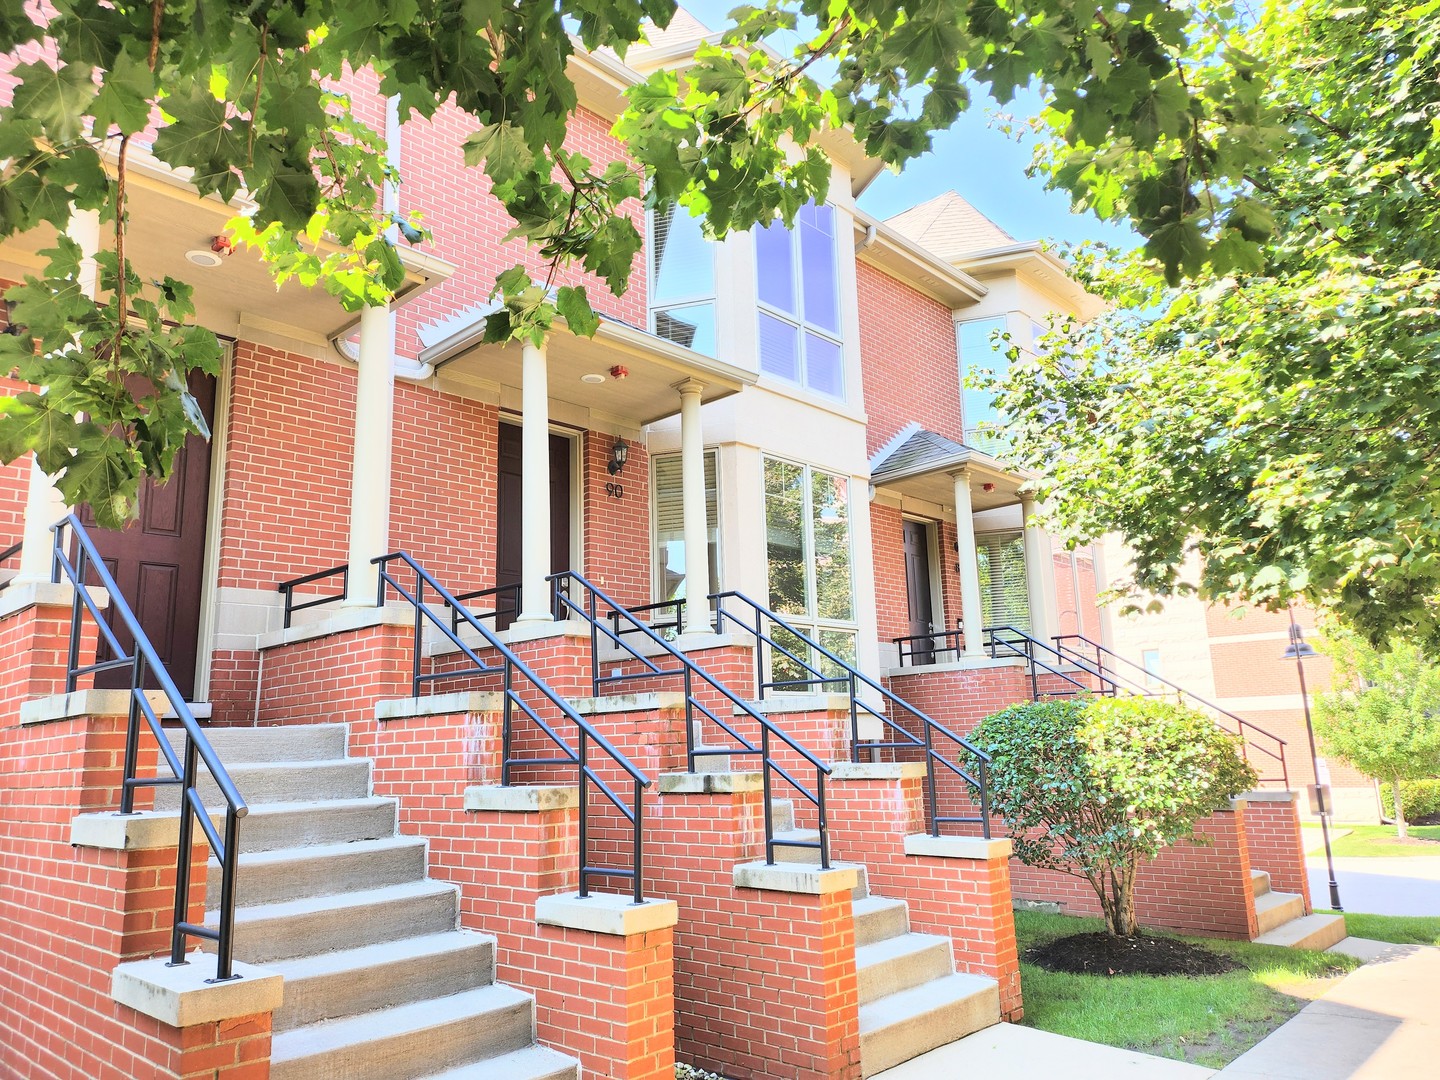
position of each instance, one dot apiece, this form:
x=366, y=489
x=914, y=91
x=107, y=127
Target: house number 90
x=615, y=491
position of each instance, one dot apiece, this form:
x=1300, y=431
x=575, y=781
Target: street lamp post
x=1299, y=649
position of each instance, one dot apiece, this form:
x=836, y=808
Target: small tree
x=1096, y=786
x=1384, y=716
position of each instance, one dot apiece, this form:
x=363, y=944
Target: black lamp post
x=1299, y=649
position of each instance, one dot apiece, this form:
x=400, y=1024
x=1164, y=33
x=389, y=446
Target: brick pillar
x=1274, y=840
x=956, y=886
x=34, y=644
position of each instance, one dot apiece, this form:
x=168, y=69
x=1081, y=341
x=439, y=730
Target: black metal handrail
x=589, y=609
x=1012, y=641
x=674, y=622
x=900, y=737
x=510, y=594
x=1105, y=669
x=509, y=666
x=9, y=553
x=287, y=589
x=954, y=643
x=145, y=664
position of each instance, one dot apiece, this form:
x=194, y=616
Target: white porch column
x=370, y=471
x=1039, y=574
x=698, y=619
x=44, y=505
x=968, y=564
x=534, y=486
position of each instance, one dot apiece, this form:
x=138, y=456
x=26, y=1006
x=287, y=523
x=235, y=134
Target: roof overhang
x=1043, y=268
x=888, y=250
x=932, y=477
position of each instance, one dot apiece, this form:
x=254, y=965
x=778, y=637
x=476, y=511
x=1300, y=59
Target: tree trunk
x=1125, y=901
x=1400, y=830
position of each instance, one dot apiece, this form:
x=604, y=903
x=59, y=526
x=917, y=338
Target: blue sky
x=982, y=163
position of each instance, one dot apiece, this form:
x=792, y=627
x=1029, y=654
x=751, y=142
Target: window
x=669, y=521
x=979, y=353
x=1150, y=660
x=807, y=548
x=1004, y=593
x=682, y=281
x=797, y=282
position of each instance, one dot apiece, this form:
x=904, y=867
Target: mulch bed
x=1101, y=954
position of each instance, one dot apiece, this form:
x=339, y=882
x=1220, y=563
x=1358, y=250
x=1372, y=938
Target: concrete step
x=1276, y=908
x=271, y=826
x=340, y=984
x=877, y=919
x=785, y=852
x=1259, y=883
x=782, y=814
x=902, y=1026
x=532, y=1063
x=1307, y=932
x=267, y=877
x=899, y=963
x=292, y=742
x=282, y=781
x=319, y=924
x=408, y=1041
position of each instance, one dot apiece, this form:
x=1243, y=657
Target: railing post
x=506, y=723
x=824, y=818
x=584, y=817
x=637, y=845
x=855, y=725
x=689, y=721
x=594, y=643
x=984, y=798
x=183, y=855
x=762, y=662
x=765, y=794
x=132, y=736
x=419, y=631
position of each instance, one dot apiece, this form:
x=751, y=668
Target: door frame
x=938, y=613
x=215, y=523
x=576, y=439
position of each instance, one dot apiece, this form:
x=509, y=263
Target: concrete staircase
x=380, y=982
x=1282, y=920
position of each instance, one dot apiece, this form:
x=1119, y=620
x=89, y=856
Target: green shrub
x=1095, y=786
x=1420, y=798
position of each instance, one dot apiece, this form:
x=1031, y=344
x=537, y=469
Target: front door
x=509, y=513
x=158, y=561
x=917, y=589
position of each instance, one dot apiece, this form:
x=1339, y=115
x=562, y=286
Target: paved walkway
x=1381, y=886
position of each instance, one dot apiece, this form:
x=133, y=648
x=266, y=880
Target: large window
x=807, y=547
x=682, y=281
x=797, y=282
x=980, y=352
x=1004, y=594
x=669, y=521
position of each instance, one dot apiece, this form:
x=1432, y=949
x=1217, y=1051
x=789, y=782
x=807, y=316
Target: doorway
x=919, y=591
x=509, y=513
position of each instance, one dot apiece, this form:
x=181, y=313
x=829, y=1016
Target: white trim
x=215, y=524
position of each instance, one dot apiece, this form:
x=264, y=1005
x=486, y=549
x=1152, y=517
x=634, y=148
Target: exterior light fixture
x=1300, y=650
x=619, y=454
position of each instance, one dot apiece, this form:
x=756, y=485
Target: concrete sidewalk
x=1380, y=886
x=1381, y=1022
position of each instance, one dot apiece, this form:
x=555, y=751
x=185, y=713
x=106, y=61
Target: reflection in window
x=807, y=545
x=981, y=352
x=797, y=282
x=682, y=281
x=670, y=525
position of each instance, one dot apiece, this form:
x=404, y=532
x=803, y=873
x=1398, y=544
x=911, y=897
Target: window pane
x=779, y=345
x=1004, y=593
x=684, y=261
x=839, y=642
x=775, y=267
x=979, y=353
x=669, y=523
x=831, y=525
x=692, y=326
x=791, y=668
x=817, y=267
x=824, y=368
x=785, y=536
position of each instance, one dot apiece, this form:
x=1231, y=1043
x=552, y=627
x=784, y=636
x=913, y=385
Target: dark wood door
x=158, y=561
x=917, y=588
x=509, y=513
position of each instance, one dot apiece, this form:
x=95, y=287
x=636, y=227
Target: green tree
x=235, y=92
x=1277, y=414
x=1384, y=715
x=1095, y=787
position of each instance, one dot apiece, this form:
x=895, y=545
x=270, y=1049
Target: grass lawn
x=1209, y=1021
x=1401, y=929
x=1374, y=840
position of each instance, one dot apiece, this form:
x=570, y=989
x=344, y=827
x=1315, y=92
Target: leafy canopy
x=1278, y=413
x=1163, y=114
x=1095, y=786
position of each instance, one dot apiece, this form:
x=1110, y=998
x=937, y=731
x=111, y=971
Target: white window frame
x=652, y=309
x=803, y=325
x=657, y=572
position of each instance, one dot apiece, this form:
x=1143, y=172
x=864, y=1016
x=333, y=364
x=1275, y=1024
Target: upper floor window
x=682, y=281
x=798, y=286
x=980, y=351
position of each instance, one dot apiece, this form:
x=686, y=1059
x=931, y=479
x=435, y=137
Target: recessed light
x=592, y=378
x=204, y=257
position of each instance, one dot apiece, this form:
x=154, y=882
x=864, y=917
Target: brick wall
x=887, y=538
x=1272, y=832
x=617, y=531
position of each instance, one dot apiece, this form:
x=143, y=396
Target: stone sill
x=606, y=913
x=628, y=703
x=454, y=704
x=521, y=800
x=144, y=830
x=20, y=596
x=957, y=847
x=180, y=996
x=437, y=644
x=86, y=703
x=797, y=878
x=965, y=663
x=345, y=620
x=710, y=783
x=880, y=770
x=1277, y=796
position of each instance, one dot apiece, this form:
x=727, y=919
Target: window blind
x=1004, y=593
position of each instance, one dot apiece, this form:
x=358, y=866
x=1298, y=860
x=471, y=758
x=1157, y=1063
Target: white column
x=1039, y=574
x=44, y=505
x=698, y=619
x=534, y=486
x=968, y=564
x=370, y=471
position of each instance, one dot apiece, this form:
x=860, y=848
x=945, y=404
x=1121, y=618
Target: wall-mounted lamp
x=619, y=454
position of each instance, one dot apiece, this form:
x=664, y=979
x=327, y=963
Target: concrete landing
x=1011, y=1052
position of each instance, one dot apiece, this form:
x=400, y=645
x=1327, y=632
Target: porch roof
x=922, y=464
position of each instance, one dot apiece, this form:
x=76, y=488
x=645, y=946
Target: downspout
x=867, y=240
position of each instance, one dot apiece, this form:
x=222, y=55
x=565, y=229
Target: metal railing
x=509, y=668
x=145, y=664
x=850, y=680
x=507, y=604
x=1011, y=641
x=612, y=623
x=6, y=555
x=910, y=647
x=1108, y=665
x=674, y=622
x=287, y=589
